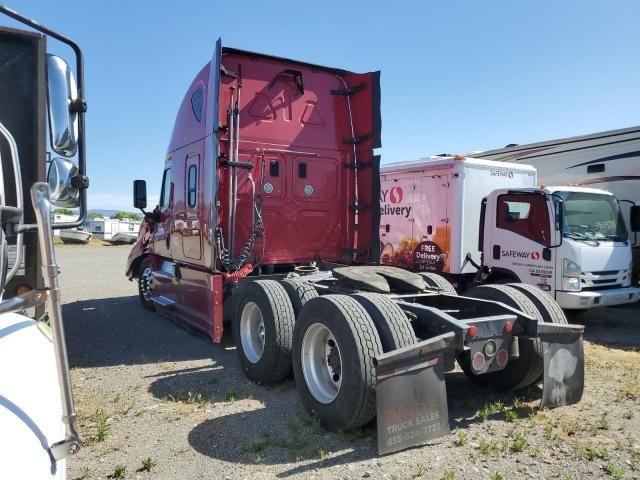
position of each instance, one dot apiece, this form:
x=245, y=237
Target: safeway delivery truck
x=480, y=221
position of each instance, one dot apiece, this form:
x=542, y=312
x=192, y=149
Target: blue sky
x=457, y=76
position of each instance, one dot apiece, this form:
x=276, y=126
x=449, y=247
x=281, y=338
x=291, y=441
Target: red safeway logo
x=395, y=195
x=535, y=255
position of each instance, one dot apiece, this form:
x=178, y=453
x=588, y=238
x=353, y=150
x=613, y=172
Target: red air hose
x=238, y=274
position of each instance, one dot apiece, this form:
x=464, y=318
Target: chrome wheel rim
x=321, y=363
x=252, y=332
x=145, y=283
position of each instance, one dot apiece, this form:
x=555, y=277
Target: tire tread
x=398, y=332
x=434, y=280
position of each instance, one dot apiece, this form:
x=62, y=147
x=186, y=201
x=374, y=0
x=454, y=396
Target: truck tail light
x=508, y=327
x=502, y=358
x=478, y=361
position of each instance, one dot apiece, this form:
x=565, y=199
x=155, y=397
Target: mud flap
x=563, y=364
x=411, y=396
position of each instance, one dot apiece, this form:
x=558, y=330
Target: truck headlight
x=570, y=269
x=570, y=276
x=627, y=278
x=571, y=284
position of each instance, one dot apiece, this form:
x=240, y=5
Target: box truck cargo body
x=430, y=210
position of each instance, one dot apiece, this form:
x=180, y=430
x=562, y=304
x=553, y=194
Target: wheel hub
x=321, y=363
x=252, y=332
x=146, y=280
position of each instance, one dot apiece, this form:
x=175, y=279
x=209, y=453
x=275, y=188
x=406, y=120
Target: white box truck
x=475, y=220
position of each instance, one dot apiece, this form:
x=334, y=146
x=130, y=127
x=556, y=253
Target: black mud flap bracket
x=563, y=364
x=411, y=396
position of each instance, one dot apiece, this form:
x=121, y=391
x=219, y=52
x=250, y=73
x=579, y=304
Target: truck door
x=396, y=222
x=162, y=233
x=521, y=235
x=431, y=225
x=191, y=229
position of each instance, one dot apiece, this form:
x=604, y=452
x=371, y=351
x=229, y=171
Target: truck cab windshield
x=592, y=216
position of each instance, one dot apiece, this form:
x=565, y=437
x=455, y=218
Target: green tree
x=93, y=215
x=122, y=215
x=63, y=211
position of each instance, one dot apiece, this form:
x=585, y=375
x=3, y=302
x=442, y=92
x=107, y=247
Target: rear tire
x=334, y=346
x=546, y=305
x=433, y=280
x=392, y=325
x=263, y=331
x=299, y=292
x=522, y=371
x=144, y=285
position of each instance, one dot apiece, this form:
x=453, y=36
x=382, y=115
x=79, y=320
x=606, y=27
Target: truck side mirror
x=635, y=218
x=140, y=194
x=558, y=212
x=559, y=205
x=62, y=94
x=61, y=179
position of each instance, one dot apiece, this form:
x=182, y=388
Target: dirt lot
x=158, y=402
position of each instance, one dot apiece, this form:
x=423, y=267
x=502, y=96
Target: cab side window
x=192, y=182
x=166, y=188
x=526, y=215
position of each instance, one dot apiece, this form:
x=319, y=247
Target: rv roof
x=562, y=141
x=439, y=162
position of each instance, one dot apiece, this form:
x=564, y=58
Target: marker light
x=473, y=331
x=508, y=327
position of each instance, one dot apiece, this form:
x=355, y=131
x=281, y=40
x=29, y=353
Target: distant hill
x=103, y=213
x=107, y=213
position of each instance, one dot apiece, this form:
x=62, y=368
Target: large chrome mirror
x=60, y=179
x=62, y=92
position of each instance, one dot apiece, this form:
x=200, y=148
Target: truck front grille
x=603, y=280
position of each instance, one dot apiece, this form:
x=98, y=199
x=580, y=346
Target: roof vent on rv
x=511, y=145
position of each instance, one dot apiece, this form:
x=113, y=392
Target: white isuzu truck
x=479, y=221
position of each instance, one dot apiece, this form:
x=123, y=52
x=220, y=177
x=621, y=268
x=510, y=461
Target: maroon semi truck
x=268, y=220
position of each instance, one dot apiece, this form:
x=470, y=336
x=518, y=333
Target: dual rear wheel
x=330, y=342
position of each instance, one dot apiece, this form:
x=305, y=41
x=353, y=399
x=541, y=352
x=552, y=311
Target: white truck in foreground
x=479, y=221
x=37, y=415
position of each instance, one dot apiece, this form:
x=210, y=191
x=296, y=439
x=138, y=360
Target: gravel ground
x=148, y=389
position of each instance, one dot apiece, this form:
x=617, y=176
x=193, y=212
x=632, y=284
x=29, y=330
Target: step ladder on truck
x=268, y=220
x=37, y=414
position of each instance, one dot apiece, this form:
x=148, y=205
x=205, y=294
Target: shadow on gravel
x=118, y=331
x=614, y=327
x=277, y=431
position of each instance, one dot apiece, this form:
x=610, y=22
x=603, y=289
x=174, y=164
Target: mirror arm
x=79, y=105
